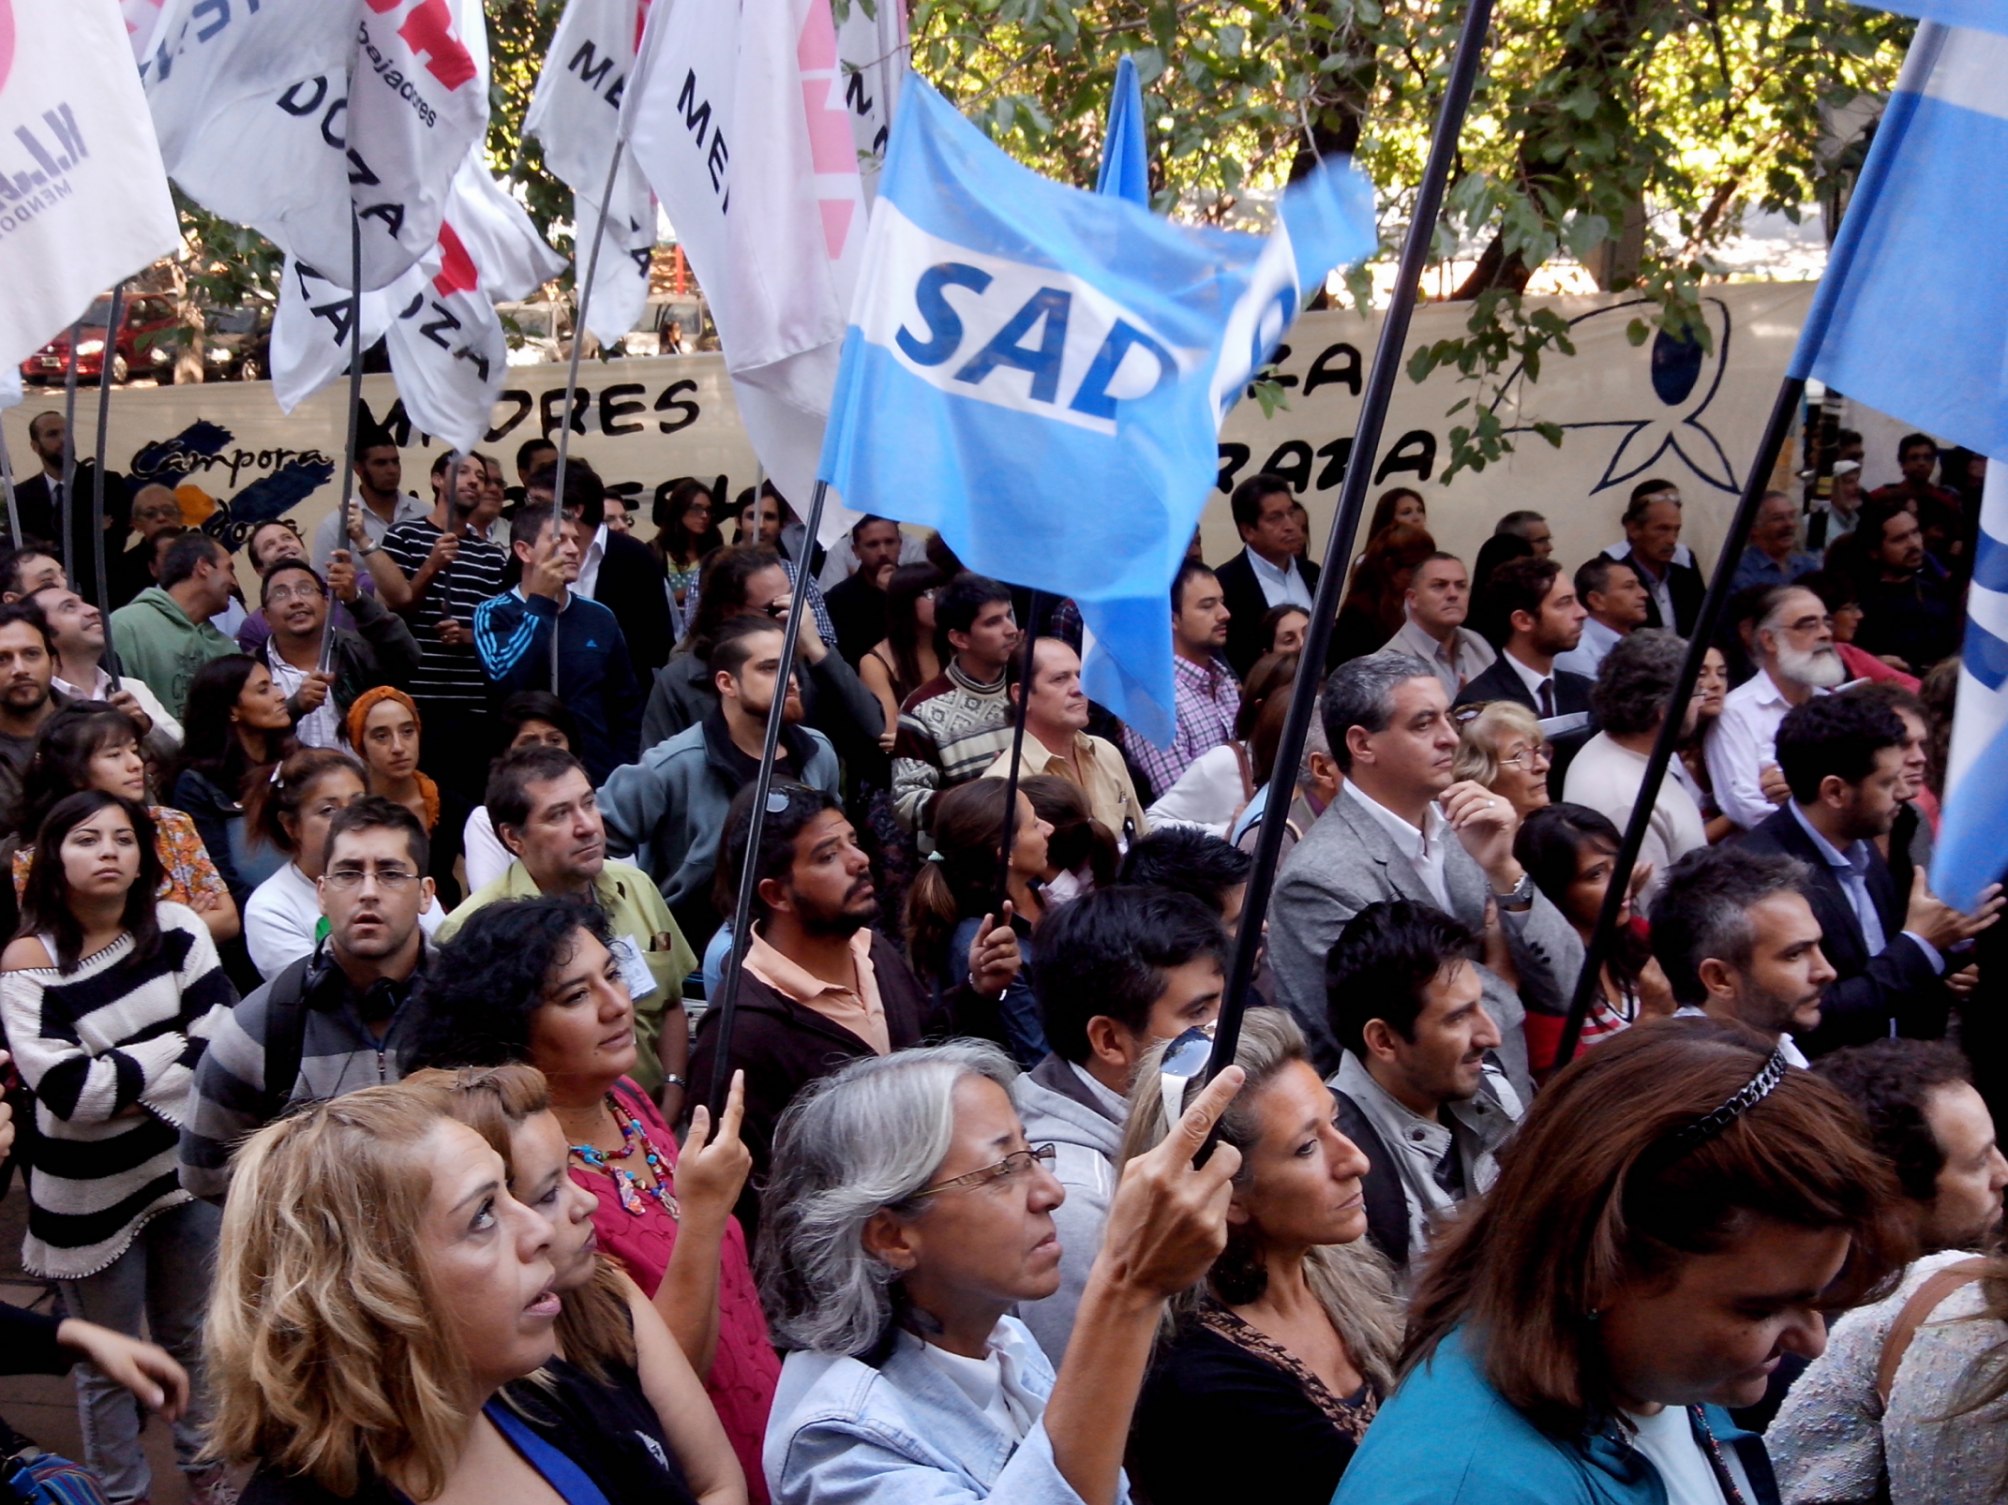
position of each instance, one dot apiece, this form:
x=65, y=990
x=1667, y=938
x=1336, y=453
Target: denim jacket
x=904, y=1433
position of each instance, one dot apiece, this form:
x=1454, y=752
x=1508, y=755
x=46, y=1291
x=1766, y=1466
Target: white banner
x=83, y=196
x=298, y=116
x=1628, y=413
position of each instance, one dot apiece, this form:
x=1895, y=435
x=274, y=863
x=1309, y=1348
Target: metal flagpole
x=63, y=513
x=1784, y=413
x=355, y=410
x=763, y=782
x=102, y=600
x=7, y=487
x=1352, y=502
x=1017, y=752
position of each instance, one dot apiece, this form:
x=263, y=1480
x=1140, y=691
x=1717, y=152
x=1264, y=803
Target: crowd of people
x=374, y=1108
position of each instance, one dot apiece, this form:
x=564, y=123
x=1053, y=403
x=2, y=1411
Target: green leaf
x=1638, y=331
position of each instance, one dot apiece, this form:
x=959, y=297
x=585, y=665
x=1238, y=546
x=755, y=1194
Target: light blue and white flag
x=1987, y=15
x=1039, y=373
x=1911, y=319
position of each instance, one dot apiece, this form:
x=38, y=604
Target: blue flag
x=1911, y=319
x=1125, y=170
x=1987, y=15
x=1039, y=373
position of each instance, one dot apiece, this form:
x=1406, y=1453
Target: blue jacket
x=844, y=1433
x=1448, y=1438
x=596, y=679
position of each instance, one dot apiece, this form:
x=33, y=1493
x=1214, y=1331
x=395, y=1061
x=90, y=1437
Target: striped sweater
x=950, y=730
x=109, y=1051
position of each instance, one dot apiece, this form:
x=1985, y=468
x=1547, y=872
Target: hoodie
x=156, y=642
x=1060, y=1109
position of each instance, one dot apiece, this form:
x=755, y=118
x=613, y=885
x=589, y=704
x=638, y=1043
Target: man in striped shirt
x=448, y=570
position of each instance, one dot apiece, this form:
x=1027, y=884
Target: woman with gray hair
x=1630, y=700
x=904, y=1217
x=1288, y=1345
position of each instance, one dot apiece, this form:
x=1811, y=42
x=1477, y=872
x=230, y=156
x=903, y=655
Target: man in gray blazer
x=1401, y=829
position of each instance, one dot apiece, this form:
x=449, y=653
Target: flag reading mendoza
x=1039, y=373
x=292, y=116
x=576, y=114
x=83, y=196
x=741, y=119
x=1911, y=319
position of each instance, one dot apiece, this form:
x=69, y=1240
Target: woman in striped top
x=108, y=997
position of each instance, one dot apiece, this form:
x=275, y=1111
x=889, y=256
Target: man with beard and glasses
x=668, y=809
x=821, y=987
x=546, y=814
x=1842, y=759
x=331, y=1022
x=378, y=650
x=1738, y=942
x=1793, y=649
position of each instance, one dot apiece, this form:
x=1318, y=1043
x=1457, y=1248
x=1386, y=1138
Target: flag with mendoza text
x=292, y=116
x=1910, y=319
x=743, y=122
x=576, y=114
x=446, y=344
x=1040, y=373
x=83, y=196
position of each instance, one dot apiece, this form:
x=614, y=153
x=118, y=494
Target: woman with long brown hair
x=1371, y=612
x=686, y=531
x=1677, y=1212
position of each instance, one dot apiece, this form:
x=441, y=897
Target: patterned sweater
x=109, y=1050
x=950, y=730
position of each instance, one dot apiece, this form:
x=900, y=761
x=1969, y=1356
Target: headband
x=1692, y=1136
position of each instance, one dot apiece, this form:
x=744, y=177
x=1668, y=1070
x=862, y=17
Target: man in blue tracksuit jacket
x=512, y=637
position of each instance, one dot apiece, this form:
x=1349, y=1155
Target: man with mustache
x=1793, y=647
x=379, y=650
x=821, y=987
x=1910, y=605
x=546, y=814
x=1414, y=1088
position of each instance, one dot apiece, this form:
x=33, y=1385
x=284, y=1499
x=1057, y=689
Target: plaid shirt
x=1207, y=699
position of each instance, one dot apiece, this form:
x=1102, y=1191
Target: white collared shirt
x=1744, y=739
x=589, y=564
x=1424, y=849
x=1787, y=1046
x=1280, y=587
x=1533, y=679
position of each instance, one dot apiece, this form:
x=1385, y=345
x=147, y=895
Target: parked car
x=148, y=331
x=538, y=332
x=237, y=344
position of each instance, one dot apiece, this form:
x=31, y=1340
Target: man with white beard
x=1793, y=647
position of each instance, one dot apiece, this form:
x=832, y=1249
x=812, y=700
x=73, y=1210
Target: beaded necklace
x=1712, y=1450
x=632, y=1190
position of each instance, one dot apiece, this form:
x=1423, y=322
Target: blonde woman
x=1502, y=748
x=617, y=1370
x=1288, y=1344
x=376, y=1286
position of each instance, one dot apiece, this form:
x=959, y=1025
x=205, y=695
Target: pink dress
x=745, y=1369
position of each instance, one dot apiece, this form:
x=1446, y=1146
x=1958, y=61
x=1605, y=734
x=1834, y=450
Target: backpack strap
x=1925, y=1300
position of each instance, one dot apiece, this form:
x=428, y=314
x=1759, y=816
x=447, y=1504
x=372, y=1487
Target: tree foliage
x=1625, y=135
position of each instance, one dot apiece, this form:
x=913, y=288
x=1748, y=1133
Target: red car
x=147, y=327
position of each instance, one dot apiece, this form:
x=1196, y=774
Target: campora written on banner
x=1691, y=416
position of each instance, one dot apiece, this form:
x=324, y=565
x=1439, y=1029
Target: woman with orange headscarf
x=383, y=727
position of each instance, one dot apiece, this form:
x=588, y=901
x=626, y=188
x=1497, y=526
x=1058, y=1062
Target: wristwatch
x=367, y=550
x=1520, y=896
x=671, y=1079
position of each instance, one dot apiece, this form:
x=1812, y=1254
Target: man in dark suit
x=857, y=602
x=1543, y=618
x=618, y=570
x=1842, y=755
x=1267, y=571
x=1674, y=584
x=40, y=499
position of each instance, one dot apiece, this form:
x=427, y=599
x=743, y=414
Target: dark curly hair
x=474, y=1005
x=1890, y=1081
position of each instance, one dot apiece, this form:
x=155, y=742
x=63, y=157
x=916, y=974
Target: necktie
x=1449, y=1172
x=1547, y=697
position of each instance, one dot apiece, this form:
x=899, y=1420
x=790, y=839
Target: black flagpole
x=1379, y=392
x=103, y=599
x=1784, y=413
x=1017, y=751
x=66, y=514
x=749, y=869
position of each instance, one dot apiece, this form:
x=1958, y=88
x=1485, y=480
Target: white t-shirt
x=283, y=915
x=1667, y=1439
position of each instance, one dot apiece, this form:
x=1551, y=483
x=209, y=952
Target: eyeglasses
x=1013, y=1165
x=1183, y=1060
x=286, y=593
x=391, y=878
x=1531, y=757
